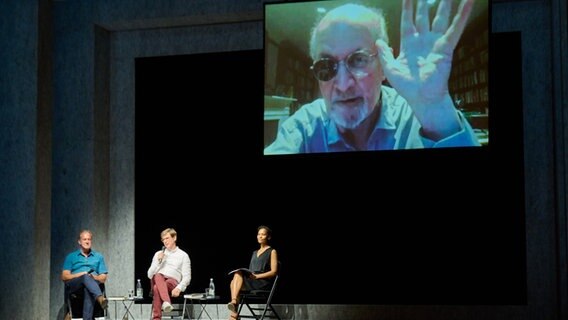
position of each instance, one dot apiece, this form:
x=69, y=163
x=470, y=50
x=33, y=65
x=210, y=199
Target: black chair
x=178, y=312
x=75, y=305
x=258, y=298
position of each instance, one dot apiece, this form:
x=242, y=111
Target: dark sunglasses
x=358, y=63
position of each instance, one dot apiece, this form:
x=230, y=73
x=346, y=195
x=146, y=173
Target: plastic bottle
x=211, y=288
x=139, y=290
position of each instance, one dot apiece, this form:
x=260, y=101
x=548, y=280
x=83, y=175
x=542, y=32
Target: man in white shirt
x=170, y=273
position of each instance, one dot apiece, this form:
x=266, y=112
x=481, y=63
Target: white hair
x=371, y=17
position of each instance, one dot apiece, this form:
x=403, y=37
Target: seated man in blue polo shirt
x=84, y=269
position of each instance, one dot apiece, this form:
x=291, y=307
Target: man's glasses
x=358, y=63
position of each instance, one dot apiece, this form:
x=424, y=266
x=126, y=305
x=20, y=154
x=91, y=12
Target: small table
x=203, y=300
x=127, y=303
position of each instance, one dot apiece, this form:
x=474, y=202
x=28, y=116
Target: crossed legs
x=161, y=288
x=92, y=293
x=236, y=285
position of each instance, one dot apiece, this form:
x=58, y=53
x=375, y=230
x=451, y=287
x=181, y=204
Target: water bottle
x=139, y=290
x=211, y=288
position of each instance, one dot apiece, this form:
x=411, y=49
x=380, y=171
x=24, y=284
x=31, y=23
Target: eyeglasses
x=358, y=63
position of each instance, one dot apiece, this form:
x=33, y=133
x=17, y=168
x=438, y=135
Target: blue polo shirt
x=76, y=262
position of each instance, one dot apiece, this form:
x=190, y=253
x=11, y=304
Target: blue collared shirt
x=76, y=262
x=311, y=130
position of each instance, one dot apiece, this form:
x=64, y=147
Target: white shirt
x=175, y=264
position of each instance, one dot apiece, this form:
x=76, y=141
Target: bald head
x=354, y=15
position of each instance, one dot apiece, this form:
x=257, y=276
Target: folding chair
x=75, y=304
x=176, y=313
x=179, y=311
x=258, y=298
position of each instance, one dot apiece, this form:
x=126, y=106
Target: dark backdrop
x=442, y=226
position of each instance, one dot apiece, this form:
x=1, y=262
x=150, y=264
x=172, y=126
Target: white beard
x=350, y=123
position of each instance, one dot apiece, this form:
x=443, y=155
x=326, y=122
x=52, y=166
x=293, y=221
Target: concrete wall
x=25, y=156
x=67, y=142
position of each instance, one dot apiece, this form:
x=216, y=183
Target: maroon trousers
x=162, y=286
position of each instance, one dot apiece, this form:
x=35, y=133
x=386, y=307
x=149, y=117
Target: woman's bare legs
x=236, y=285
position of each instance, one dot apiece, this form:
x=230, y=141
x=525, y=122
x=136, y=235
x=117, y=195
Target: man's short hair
x=169, y=231
x=84, y=231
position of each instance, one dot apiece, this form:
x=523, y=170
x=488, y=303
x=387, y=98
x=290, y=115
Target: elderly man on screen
x=349, y=47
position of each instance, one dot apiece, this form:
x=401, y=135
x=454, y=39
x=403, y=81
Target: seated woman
x=264, y=267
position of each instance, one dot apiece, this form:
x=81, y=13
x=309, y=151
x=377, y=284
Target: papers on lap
x=243, y=270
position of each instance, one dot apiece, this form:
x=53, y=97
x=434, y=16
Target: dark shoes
x=232, y=306
x=102, y=301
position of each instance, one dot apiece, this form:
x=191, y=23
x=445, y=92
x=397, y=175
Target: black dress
x=259, y=265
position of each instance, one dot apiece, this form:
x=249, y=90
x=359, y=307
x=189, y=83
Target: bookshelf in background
x=288, y=84
x=293, y=75
x=468, y=83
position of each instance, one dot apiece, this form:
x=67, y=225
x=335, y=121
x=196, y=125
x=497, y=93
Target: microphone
x=163, y=250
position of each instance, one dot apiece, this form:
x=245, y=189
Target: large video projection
x=414, y=226
x=330, y=86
